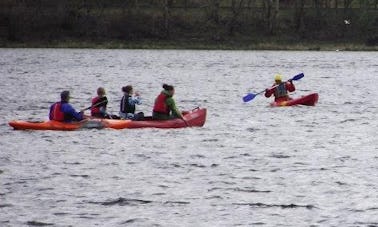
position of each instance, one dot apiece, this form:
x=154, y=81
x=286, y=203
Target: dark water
x=250, y=165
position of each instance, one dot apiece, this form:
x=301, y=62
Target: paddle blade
x=249, y=97
x=298, y=77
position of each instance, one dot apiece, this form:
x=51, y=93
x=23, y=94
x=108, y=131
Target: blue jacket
x=69, y=112
x=128, y=102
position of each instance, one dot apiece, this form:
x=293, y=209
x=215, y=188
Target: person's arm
x=68, y=109
x=136, y=100
x=290, y=86
x=104, y=102
x=269, y=92
x=172, y=106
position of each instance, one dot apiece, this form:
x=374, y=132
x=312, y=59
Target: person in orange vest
x=280, y=89
x=63, y=111
x=165, y=106
x=99, y=103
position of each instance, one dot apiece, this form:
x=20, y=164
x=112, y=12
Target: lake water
x=250, y=165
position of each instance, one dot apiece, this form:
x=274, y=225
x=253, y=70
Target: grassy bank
x=198, y=45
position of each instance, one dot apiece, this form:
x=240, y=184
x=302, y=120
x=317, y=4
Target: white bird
x=347, y=22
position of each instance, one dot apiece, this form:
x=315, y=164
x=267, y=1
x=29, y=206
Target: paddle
x=186, y=123
x=97, y=104
x=251, y=96
x=183, y=119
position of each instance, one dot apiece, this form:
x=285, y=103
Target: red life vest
x=57, y=113
x=95, y=110
x=161, y=105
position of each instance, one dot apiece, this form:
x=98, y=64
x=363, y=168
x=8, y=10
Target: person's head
x=65, y=96
x=127, y=89
x=101, y=91
x=278, y=78
x=169, y=88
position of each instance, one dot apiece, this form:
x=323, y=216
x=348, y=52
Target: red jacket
x=98, y=108
x=56, y=112
x=95, y=110
x=161, y=105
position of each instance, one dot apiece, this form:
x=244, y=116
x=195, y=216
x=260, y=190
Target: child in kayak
x=280, y=89
x=99, y=103
x=63, y=111
x=128, y=103
x=165, y=106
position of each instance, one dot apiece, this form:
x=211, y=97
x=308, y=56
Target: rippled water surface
x=250, y=165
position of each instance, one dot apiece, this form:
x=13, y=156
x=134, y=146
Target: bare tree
x=236, y=9
x=271, y=11
x=213, y=6
x=166, y=13
x=299, y=16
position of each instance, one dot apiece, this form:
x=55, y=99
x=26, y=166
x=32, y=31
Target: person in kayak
x=99, y=103
x=165, y=106
x=63, y=111
x=280, y=89
x=128, y=103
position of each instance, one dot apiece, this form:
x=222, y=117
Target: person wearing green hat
x=280, y=89
x=63, y=111
x=165, y=106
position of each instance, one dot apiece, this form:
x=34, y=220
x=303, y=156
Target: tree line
x=189, y=20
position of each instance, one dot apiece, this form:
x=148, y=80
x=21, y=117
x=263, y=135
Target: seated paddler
x=128, y=104
x=63, y=111
x=165, y=106
x=280, y=89
x=99, y=104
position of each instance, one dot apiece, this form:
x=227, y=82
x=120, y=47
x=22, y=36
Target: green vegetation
x=191, y=24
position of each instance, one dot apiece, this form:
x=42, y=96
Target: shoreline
x=196, y=45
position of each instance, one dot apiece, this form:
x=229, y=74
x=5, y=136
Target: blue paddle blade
x=297, y=77
x=249, y=97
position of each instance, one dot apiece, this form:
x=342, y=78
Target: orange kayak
x=194, y=118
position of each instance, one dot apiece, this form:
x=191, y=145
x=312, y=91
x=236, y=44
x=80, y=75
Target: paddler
x=280, y=89
x=99, y=103
x=63, y=111
x=165, y=106
x=128, y=104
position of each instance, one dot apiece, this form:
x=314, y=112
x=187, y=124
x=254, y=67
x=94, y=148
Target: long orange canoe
x=194, y=118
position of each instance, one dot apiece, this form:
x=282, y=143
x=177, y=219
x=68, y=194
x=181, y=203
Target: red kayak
x=308, y=100
x=194, y=118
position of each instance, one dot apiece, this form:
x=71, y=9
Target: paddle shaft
x=97, y=104
x=186, y=123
